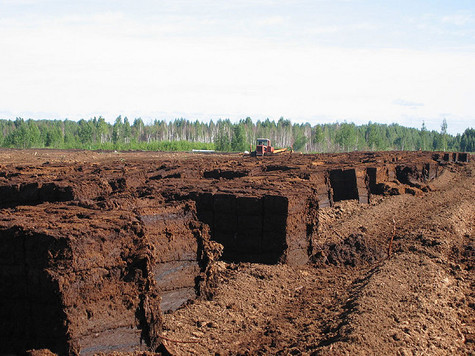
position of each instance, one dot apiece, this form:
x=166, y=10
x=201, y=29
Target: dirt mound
x=408, y=305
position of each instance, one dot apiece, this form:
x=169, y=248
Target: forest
x=224, y=135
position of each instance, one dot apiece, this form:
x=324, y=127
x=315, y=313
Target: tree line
x=224, y=135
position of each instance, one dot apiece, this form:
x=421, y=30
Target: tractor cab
x=263, y=147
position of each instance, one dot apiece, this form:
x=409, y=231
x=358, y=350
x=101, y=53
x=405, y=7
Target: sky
x=315, y=61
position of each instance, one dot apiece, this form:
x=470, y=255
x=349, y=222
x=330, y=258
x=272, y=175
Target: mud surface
x=201, y=254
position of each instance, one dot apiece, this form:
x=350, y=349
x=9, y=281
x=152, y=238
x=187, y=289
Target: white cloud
x=458, y=19
x=107, y=64
x=271, y=21
x=348, y=28
x=20, y=2
x=409, y=103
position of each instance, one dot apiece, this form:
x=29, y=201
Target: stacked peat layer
x=90, y=281
x=93, y=253
x=266, y=229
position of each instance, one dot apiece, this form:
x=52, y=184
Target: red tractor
x=264, y=148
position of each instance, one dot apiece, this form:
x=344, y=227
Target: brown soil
x=109, y=252
x=354, y=300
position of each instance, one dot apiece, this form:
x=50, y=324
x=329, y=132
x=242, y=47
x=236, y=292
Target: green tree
x=373, y=137
x=346, y=136
x=222, y=142
x=138, y=129
x=437, y=143
x=300, y=141
x=318, y=134
x=18, y=138
x=423, y=136
x=443, y=133
x=127, y=130
x=102, y=129
x=54, y=137
x=85, y=132
x=182, y=134
x=467, y=141
x=34, y=134
x=238, y=141
x=117, y=130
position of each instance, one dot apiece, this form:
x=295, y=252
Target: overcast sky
x=309, y=61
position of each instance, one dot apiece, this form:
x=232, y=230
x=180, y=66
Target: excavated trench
x=92, y=255
x=251, y=229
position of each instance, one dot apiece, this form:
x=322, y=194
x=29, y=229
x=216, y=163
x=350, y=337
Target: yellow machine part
x=280, y=150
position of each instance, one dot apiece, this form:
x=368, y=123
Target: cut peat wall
x=173, y=236
x=101, y=286
x=91, y=294
x=267, y=229
x=344, y=185
x=33, y=193
x=31, y=312
x=452, y=157
x=348, y=184
x=251, y=229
